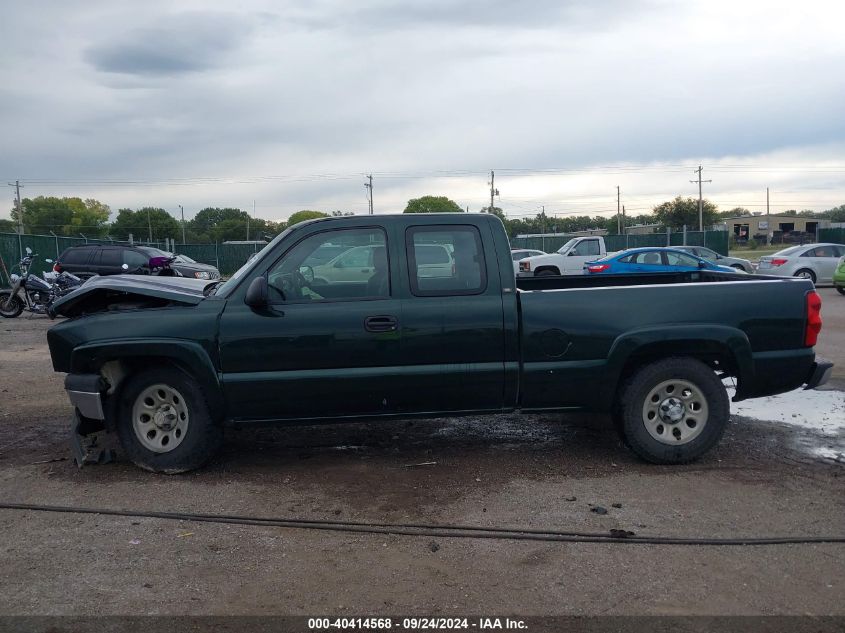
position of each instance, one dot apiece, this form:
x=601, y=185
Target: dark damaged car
x=378, y=332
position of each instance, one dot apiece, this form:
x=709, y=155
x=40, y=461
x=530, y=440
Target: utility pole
x=623, y=218
x=369, y=187
x=700, y=199
x=18, y=206
x=150, y=225
x=618, y=217
x=493, y=191
x=182, y=209
x=768, y=220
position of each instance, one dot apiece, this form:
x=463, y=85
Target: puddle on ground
x=822, y=411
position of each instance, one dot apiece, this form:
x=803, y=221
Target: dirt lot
x=498, y=470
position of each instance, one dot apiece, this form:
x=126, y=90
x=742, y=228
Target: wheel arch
x=721, y=347
x=546, y=268
x=115, y=361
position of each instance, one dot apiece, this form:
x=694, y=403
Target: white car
x=568, y=260
x=522, y=253
x=815, y=262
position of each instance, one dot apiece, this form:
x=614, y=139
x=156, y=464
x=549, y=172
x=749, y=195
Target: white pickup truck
x=568, y=260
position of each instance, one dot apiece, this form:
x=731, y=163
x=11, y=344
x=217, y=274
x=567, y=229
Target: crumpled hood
x=118, y=288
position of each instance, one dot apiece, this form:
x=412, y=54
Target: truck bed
x=565, y=282
x=576, y=331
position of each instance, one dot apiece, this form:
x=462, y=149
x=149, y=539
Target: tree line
x=74, y=217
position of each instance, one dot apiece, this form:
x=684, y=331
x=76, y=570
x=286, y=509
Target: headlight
x=201, y=274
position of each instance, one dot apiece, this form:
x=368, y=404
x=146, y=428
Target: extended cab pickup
x=166, y=362
x=568, y=260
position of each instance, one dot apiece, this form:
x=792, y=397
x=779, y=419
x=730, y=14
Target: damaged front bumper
x=85, y=393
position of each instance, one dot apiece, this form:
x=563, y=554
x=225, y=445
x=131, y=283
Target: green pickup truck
x=344, y=319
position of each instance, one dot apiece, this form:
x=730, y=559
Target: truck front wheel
x=164, y=423
x=672, y=411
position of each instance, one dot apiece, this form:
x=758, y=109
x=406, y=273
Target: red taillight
x=57, y=268
x=814, y=319
x=597, y=268
x=524, y=266
x=778, y=262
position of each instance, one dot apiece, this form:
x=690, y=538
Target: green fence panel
x=834, y=235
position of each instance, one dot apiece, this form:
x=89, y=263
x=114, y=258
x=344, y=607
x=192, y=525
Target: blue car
x=651, y=260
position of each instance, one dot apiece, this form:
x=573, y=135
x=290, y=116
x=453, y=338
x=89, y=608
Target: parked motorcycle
x=32, y=293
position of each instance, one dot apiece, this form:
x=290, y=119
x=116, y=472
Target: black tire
x=203, y=434
x=630, y=417
x=547, y=272
x=15, y=307
x=840, y=290
x=810, y=274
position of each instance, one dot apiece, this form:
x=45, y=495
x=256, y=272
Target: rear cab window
x=445, y=260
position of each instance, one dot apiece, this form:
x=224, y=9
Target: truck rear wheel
x=164, y=423
x=672, y=411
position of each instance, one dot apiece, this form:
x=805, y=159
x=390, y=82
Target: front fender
x=189, y=355
x=701, y=340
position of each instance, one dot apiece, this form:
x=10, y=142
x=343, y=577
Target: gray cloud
x=174, y=45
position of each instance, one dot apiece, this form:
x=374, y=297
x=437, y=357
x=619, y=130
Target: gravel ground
x=536, y=471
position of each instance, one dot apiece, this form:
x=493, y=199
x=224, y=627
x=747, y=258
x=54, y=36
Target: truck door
x=585, y=251
x=452, y=323
x=327, y=345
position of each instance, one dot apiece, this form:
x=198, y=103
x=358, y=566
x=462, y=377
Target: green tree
x=432, y=204
x=214, y=224
x=44, y=214
x=90, y=217
x=306, y=214
x=140, y=223
x=836, y=214
x=736, y=212
x=7, y=226
x=684, y=211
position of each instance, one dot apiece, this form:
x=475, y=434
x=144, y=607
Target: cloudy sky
x=289, y=104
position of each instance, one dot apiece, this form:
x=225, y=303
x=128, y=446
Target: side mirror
x=256, y=294
x=125, y=266
x=702, y=265
x=28, y=250
x=570, y=253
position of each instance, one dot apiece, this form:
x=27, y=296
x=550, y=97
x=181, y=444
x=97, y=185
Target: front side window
x=445, y=260
x=359, y=268
x=134, y=259
x=588, y=248
x=681, y=259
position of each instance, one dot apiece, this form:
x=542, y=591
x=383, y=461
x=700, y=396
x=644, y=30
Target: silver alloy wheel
x=160, y=418
x=804, y=274
x=675, y=412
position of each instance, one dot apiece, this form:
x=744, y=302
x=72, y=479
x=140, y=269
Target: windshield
x=184, y=259
x=792, y=250
x=568, y=245
x=254, y=260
